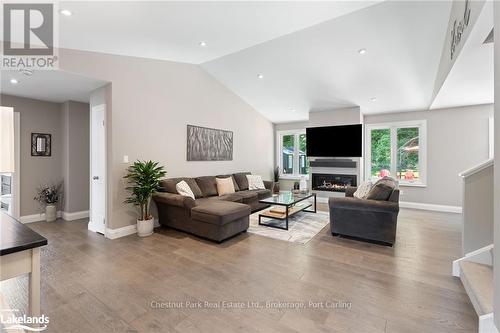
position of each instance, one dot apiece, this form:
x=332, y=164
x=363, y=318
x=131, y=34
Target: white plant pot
x=145, y=227
x=50, y=213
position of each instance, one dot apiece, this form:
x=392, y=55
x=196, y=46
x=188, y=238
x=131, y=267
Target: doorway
x=9, y=181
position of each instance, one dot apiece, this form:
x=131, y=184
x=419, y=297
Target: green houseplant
x=143, y=180
x=48, y=196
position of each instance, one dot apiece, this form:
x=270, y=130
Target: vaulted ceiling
x=287, y=58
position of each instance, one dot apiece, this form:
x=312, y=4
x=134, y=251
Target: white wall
x=497, y=172
x=152, y=103
x=457, y=139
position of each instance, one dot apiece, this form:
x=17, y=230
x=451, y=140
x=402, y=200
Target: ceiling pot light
x=362, y=51
x=203, y=44
x=292, y=110
x=14, y=81
x=66, y=12
x=260, y=76
x=26, y=71
x=373, y=99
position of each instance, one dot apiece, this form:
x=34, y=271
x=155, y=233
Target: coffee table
x=293, y=203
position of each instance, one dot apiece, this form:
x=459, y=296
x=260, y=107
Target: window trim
x=296, y=158
x=422, y=155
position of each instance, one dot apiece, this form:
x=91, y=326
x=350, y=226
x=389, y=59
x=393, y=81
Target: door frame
x=16, y=212
x=91, y=225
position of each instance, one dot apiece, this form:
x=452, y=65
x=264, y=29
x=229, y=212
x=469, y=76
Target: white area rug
x=302, y=227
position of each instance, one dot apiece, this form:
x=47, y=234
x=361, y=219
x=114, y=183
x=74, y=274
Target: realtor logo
x=28, y=36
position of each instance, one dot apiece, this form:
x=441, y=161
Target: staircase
x=475, y=268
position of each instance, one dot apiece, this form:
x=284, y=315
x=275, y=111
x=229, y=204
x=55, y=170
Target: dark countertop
x=16, y=237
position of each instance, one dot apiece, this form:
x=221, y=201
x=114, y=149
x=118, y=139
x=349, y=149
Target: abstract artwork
x=209, y=144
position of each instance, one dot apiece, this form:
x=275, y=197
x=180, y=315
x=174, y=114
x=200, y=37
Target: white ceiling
x=471, y=79
x=48, y=85
x=171, y=30
x=319, y=68
x=307, y=52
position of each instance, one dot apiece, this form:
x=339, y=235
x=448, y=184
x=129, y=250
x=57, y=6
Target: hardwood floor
x=90, y=284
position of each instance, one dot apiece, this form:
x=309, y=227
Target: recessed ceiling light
x=26, y=71
x=292, y=110
x=203, y=44
x=373, y=99
x=260, y=76
x=14, y=81
x=362, y=51
x=66, y=12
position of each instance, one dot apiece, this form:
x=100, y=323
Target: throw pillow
x=225, y=185
x=255, y=182
x=363, y=190
x=183, y=189
x=382, y=189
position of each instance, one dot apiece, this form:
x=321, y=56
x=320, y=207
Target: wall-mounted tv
x=335, y=141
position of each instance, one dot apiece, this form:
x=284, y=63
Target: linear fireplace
x=332, y=182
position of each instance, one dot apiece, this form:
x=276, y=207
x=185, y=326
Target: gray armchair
x=371, y=220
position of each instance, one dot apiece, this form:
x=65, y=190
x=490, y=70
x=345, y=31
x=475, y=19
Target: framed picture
x=209, y=144
x=41, y=144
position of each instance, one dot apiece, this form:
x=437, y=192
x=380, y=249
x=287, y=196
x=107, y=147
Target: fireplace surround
x=332, y=182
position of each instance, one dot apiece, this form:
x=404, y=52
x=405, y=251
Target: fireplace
x=332, y=182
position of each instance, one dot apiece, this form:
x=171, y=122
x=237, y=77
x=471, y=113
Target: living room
x=310, y=165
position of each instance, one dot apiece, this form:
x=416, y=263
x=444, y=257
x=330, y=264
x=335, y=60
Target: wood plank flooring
x=90, y=284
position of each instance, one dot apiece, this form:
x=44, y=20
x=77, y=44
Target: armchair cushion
x=363, y=205
x=382, y=189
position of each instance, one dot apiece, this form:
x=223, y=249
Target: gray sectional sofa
x=209, y=215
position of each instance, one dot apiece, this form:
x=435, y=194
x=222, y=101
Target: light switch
x=125, y=158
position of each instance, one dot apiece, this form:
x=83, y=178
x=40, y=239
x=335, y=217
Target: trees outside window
x=397, y=150
x=292, y=148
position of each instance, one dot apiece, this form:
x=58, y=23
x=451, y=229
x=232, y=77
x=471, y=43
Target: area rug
x=302, y=227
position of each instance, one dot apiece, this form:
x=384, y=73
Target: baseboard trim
x=431, y=207
x=60, y=214
x=121, y=232
x=75, y=215
x=36, y=217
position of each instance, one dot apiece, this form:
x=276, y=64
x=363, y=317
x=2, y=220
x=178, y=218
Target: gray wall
x=457, y=139
x=152, y=103
x=76, y=140
x=36, y=117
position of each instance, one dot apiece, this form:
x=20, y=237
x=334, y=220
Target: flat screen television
x=335, y=141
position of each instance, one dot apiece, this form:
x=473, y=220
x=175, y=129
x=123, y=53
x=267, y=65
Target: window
x=292, y=159
x=397, y=150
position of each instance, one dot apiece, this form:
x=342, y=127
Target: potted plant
x=48, y=197
x=143, y=181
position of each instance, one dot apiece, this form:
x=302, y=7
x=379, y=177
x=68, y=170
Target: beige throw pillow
x=183, y=189
x=255, y=182
x=363, y=190
x=225, y=186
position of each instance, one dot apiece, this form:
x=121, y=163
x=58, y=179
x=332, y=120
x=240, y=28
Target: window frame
x=296, y=157
x=393, y=127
